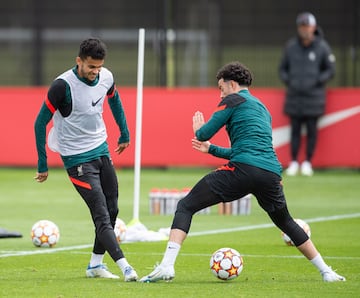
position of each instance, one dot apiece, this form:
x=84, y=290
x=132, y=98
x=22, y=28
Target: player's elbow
x=200, y=136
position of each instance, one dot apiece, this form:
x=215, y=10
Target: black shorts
x=235, y=180
x=96, y=182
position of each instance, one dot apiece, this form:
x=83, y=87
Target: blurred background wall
x=186, y=41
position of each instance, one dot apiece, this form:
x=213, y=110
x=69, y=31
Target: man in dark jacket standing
x=306, y=66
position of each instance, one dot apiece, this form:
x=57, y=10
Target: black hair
x=92, y=47
x=237, y=72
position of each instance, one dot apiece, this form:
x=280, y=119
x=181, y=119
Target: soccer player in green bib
x=75, y=103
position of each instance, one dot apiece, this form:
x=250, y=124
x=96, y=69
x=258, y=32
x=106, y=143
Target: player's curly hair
x=237, y=72
x=92, y=47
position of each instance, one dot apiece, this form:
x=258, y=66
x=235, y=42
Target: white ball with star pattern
x=45, y=233
x=226, y=263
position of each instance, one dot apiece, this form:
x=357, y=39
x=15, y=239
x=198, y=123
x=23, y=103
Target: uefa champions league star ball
x=226, y=263
x=45, y=233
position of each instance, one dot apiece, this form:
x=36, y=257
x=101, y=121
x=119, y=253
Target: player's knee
x=296, y=233
x=286, y=223
x=102, y=227
x=182, y=218
x=183, y=207
x=280, y=217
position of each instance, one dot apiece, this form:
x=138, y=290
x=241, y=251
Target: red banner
x=167, y=127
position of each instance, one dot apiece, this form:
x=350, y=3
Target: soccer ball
x=45, y=233
x=303, y=225
x=226, y=263
x=120, y=230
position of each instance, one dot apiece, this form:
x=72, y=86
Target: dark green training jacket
x=248, y=124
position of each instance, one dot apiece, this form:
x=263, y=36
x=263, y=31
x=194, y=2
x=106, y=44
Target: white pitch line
x=244, y=255
x=271, y=256
x=42, y=251
x=4, y=254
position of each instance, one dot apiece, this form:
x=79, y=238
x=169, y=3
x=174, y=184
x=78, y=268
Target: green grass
x=271, y=269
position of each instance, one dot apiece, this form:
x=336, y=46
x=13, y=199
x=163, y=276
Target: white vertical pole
x=139, y=102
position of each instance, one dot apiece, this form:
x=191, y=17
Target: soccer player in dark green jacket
x=253, y=167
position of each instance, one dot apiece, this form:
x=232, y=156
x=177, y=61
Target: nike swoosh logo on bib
x=96, y=102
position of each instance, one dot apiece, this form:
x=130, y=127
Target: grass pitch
x=328, y=201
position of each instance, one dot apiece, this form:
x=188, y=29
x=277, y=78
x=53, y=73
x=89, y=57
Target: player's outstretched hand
x=201, y=146
x=198, y=121
x=121, y=147
x=41, y=177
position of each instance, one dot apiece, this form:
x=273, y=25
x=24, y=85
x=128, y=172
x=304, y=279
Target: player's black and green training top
x=248, y=124
x=59, y=100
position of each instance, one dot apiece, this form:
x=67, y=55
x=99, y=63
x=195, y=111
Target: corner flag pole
x=139, y=102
